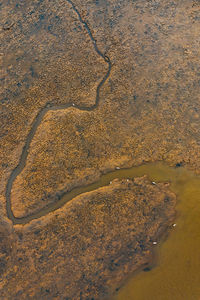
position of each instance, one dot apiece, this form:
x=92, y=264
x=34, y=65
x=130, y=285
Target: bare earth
x=149, y=110
x=87, y=248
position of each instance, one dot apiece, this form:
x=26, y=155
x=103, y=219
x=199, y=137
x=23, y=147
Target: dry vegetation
x=149, y=110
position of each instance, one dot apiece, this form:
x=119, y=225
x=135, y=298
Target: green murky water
x=177, y=274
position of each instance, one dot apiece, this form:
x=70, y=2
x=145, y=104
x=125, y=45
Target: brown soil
x=86, y=249
x=149, y=110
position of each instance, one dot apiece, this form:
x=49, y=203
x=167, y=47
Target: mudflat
x=85, y=249
x=88, y=88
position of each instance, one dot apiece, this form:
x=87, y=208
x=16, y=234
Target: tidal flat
x=99, y=149
x=175, y=272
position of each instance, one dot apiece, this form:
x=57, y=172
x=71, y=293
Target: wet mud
x=87, y=88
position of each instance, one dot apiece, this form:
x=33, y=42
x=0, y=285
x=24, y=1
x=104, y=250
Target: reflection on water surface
x=177, y=275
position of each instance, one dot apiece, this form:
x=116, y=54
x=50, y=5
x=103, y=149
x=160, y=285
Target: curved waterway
x=38, y=119
x=176, y=275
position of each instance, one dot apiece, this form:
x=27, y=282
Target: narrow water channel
x=176, y=275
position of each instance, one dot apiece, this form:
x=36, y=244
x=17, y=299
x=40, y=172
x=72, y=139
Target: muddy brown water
x=176, y=275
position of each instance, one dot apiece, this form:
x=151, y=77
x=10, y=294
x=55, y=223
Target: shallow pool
x=176, y=275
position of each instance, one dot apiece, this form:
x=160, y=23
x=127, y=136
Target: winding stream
x=38, y=119
x=177, y=275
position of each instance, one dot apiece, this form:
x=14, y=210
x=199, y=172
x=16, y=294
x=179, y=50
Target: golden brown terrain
x=148, y=110
x=85, y=249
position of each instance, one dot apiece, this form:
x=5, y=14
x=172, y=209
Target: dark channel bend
x=38, y=119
